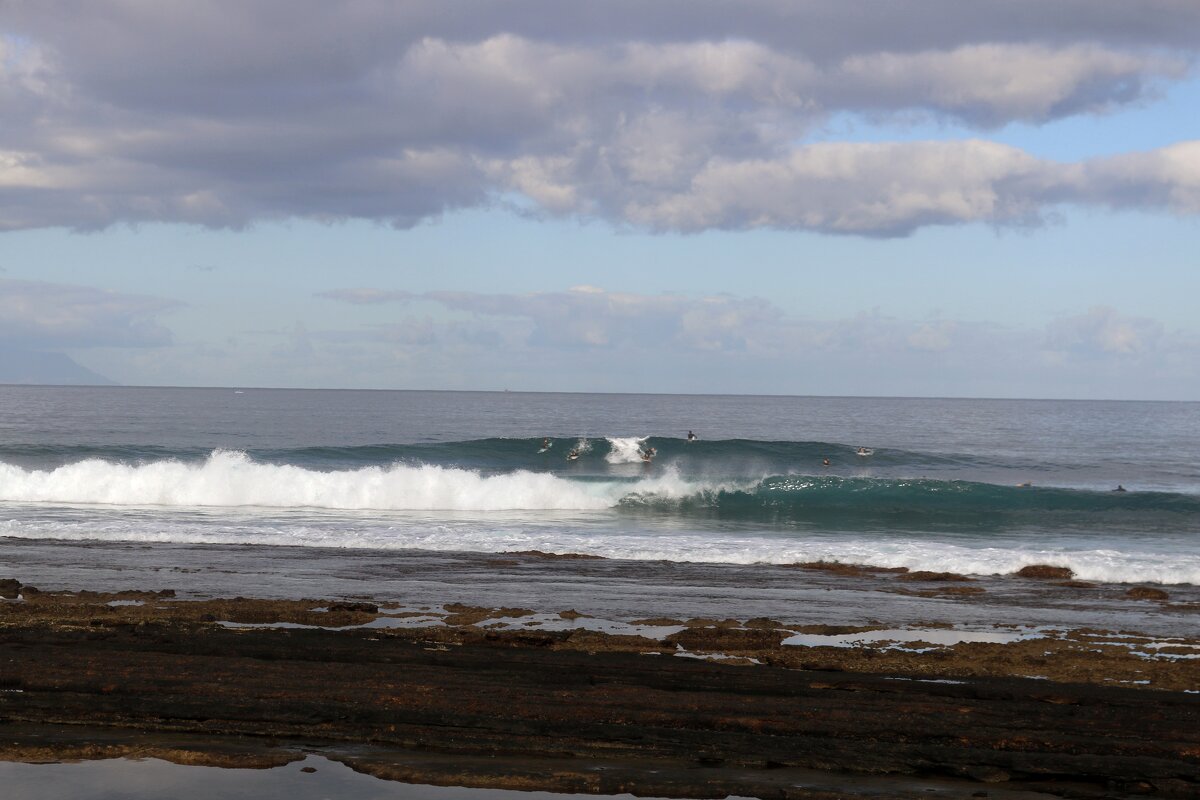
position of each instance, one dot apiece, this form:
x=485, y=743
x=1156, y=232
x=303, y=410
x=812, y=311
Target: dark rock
x=763, y=622
x=922, y=575
x=1046, y=572
x=470, y=696
x=366, y=608
x=9, y=588
x=554, y=556
x=988, y=774
x=1147, y=593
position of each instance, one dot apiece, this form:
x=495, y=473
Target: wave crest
x=231, y=478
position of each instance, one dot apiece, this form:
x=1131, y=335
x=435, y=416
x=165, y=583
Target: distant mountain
x=34, y=367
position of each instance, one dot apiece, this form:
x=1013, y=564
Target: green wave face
x=731, y=456
x=739, y=480
x=839, y=502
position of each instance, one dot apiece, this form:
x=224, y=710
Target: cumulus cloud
x=587, y=317
x=1102, y=331
x=50, y=315
x=594, y=339
x=591, y=319
x=224, y=114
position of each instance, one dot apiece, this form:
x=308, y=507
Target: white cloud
x=215, y=114
x=1102, y=331
x=50, y=315
x=995, y=83
x=932, y=336
x=591, y=318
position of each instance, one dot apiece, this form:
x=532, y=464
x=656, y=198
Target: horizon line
x=237, y=387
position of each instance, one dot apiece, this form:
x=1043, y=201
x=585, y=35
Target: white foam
x=625, y=450
x=598, y=533
x=231, y=479
x=228, y=498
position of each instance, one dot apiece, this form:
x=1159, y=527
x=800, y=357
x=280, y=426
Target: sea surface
x=970, y=486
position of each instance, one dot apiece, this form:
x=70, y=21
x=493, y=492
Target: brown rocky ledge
x=585, y=711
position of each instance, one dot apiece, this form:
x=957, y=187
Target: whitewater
x=765, y=484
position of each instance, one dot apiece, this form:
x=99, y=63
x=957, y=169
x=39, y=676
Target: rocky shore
x=555, y=700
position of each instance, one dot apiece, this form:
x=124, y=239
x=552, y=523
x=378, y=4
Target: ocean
x=979, y=487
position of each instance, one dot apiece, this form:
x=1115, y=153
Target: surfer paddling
x=572, y=455
x=691, y=436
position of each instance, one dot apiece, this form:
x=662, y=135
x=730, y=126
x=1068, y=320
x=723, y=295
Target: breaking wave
x=233, y=478
x=659, y=513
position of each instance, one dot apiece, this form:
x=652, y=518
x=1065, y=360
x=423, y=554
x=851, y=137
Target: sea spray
x=624, y=450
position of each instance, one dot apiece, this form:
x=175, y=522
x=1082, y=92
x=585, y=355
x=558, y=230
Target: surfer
x=1119, y=488
x=862, y=451
x=691, y=436
x=824, y=462
x=545, y=444
x=648, y=454
x=572, y=455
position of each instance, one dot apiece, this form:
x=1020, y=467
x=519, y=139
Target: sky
x=914, y=198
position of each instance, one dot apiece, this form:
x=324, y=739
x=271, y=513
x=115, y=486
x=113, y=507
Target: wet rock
x=1147, y=593
x=988, y=774
x=460, y=614
x=1045, y=572
x=846, y=570
x=875, y=709
x=726, y=640
x=832, y=567
x=922, y=575
x=950, y=591
x=365, y=608
x=10, y=588
x=763, y=622
x=554, y=556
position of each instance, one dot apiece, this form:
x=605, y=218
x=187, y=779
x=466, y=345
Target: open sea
x=970, y=486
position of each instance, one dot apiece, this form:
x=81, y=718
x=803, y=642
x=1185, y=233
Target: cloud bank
x=673, y=116
x=39, y=315
x=588, y=320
